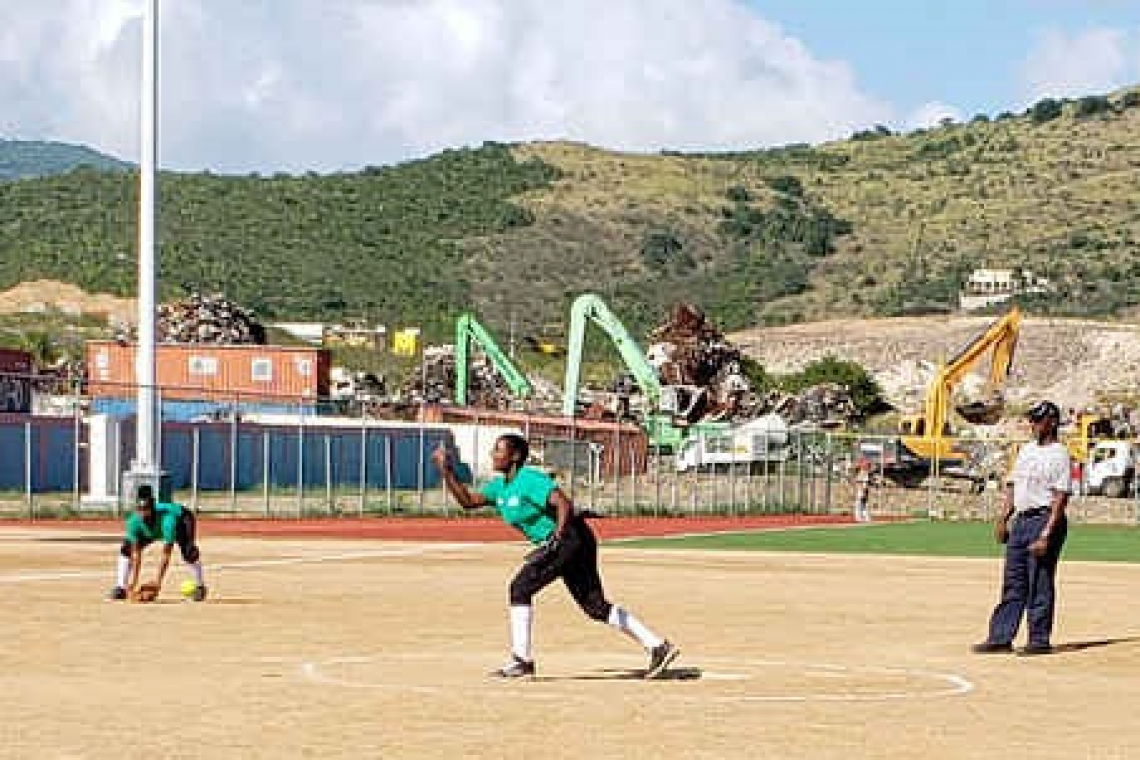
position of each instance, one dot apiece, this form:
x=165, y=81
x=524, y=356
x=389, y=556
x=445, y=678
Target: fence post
x=574, y=463
x=829, y=464
x=617, y=470
x=28, y=468
x=77, y=432
x=300, y=461
x=328, y=474
x=233, y=456
x=420, y=458
x=732, y=478
x=265, y=465
x=195, y=453
x=388, y=472
x=363, y=464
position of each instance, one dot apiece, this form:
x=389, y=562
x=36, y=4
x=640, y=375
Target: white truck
x=1111, y=468
x=751, y=445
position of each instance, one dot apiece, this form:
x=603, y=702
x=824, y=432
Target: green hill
x=20, y=159
x=879, y=224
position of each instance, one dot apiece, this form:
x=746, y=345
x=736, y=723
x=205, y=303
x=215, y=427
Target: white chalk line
x=253, y=564
x=947, y=684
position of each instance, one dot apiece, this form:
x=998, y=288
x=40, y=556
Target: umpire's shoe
x=117, y=594
x=1031, y=650
x=660, y=657
x=990, y=647
x=516, y=668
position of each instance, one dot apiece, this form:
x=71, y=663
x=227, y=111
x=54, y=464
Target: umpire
x=1036, y=499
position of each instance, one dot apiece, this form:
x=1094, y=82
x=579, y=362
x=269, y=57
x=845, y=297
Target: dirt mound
x=1077, y=363
x=43, y=295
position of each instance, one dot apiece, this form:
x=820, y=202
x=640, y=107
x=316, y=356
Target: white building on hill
x=987, y=287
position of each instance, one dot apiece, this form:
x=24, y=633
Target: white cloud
x=296, y=85
x=1088, y=62
x=931, y=115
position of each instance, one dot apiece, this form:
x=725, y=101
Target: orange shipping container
x=212, y=372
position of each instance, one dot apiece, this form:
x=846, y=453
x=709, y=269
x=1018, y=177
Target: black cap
x=1043, y=410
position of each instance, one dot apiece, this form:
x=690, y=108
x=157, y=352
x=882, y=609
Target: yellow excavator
x=925, y=439
x=926, y=433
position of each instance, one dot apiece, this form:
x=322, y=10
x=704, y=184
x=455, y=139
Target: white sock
x=123, y=571
x=196, y=568
x=521, y=617
x=624, y=621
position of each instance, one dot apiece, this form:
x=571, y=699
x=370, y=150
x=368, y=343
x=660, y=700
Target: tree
x=865, y=391
x=1045, y=110
x=40, y=345
x=662, y=248
x=1093, y=105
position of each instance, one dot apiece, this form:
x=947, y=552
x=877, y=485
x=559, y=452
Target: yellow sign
x=406, y=342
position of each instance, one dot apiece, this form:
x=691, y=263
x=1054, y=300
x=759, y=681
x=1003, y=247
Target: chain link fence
x=284, y=458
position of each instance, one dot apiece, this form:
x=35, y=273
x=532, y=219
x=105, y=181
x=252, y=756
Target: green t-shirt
x=166, y=522
x=522, y=503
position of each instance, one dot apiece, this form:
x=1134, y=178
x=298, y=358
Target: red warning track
x=451, y=529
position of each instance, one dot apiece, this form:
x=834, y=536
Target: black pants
x=576, y=562
x=185, y=535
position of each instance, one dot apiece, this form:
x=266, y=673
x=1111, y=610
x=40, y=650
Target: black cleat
x=660, y=658
x=516, y=668
x=1030, y=650
x=117, y=594
x=989, y=647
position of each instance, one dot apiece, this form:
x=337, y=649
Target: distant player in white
x=862, y=510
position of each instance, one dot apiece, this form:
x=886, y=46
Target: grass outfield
x=1103, y=543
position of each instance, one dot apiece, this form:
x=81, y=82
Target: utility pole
x=511, y=336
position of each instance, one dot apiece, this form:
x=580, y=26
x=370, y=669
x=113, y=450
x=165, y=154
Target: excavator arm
x=926, y=435
x=1001, y=337
x=468, y=329
x=590, y=308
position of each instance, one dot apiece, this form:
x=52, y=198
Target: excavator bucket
x=982, y=412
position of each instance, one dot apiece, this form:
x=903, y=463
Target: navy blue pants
x=1028, y=582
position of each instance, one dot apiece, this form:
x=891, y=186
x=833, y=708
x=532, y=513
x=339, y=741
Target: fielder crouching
x=152, y=521
x=532, y=502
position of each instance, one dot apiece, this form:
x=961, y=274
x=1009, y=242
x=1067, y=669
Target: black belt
x=1033, y=512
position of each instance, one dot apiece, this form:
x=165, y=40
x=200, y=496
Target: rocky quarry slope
x=1076, y=363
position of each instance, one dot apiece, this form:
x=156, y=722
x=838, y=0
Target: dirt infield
x=349, y=648
x=484, y=529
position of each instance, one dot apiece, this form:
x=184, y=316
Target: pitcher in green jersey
x=530, y=501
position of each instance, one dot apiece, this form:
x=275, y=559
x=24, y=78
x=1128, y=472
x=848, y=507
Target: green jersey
x=164, y=529
x=522, y=502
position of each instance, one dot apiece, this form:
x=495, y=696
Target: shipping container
x=15, y=380
x=202, y=372
x=607, y=448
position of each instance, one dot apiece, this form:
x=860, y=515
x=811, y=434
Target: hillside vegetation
x=877, y=225
x=21, y=159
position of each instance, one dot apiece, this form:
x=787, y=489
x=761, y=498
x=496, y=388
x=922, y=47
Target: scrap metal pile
x=826, y=405
x=435, y=379
x=704, y=374
x=207, y=319
x=701, y=370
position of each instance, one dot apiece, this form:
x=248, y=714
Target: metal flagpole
x=145, y=467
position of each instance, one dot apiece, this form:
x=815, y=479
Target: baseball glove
x=146, y=592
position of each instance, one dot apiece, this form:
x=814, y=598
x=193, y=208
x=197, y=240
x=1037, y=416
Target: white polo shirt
x=1038, y=472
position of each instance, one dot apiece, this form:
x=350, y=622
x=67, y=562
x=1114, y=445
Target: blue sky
x=328, y=85
x=970, y=54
